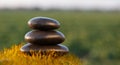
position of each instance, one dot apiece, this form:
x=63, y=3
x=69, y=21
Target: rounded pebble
x=36, y=48
x=44, y=37
x=43, y=23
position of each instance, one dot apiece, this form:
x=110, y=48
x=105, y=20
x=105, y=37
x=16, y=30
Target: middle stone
x=44, y=37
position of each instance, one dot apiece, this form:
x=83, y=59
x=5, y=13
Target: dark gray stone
x=36, y=48
x=44, y=37
x=43, y=23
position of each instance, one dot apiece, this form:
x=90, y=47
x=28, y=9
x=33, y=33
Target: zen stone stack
x=44, y=36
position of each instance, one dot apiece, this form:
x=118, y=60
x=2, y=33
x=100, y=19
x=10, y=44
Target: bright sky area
x=63, y=4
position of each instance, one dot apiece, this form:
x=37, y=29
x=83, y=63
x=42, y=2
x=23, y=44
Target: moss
x=13, y=56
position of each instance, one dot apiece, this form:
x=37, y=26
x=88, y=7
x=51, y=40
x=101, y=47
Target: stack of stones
x=44, y=37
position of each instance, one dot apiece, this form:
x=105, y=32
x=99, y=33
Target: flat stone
x=43, y=23
x=44, y=37
x=44, y=48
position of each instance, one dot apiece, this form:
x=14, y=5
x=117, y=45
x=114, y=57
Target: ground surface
x=95, y=36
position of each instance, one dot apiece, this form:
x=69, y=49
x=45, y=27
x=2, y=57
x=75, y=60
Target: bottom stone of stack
x=44, y=49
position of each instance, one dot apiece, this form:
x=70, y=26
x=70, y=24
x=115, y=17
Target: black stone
x=44, y=37
x=43, y=48
x=43, y=23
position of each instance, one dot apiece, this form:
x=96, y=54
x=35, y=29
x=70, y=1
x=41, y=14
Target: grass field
x=93, y=36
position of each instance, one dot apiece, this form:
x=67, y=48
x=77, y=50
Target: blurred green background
x=92, y=36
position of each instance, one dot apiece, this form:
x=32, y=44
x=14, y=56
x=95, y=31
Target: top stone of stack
x=43, y=23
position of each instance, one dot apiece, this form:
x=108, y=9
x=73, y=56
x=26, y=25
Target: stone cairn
x=44, y=37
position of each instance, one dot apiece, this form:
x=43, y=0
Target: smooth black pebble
x=44, y=37
x=59, y=49
x=43, y=23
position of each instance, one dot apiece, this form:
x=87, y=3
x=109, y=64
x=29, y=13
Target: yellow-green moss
x=13, y=56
